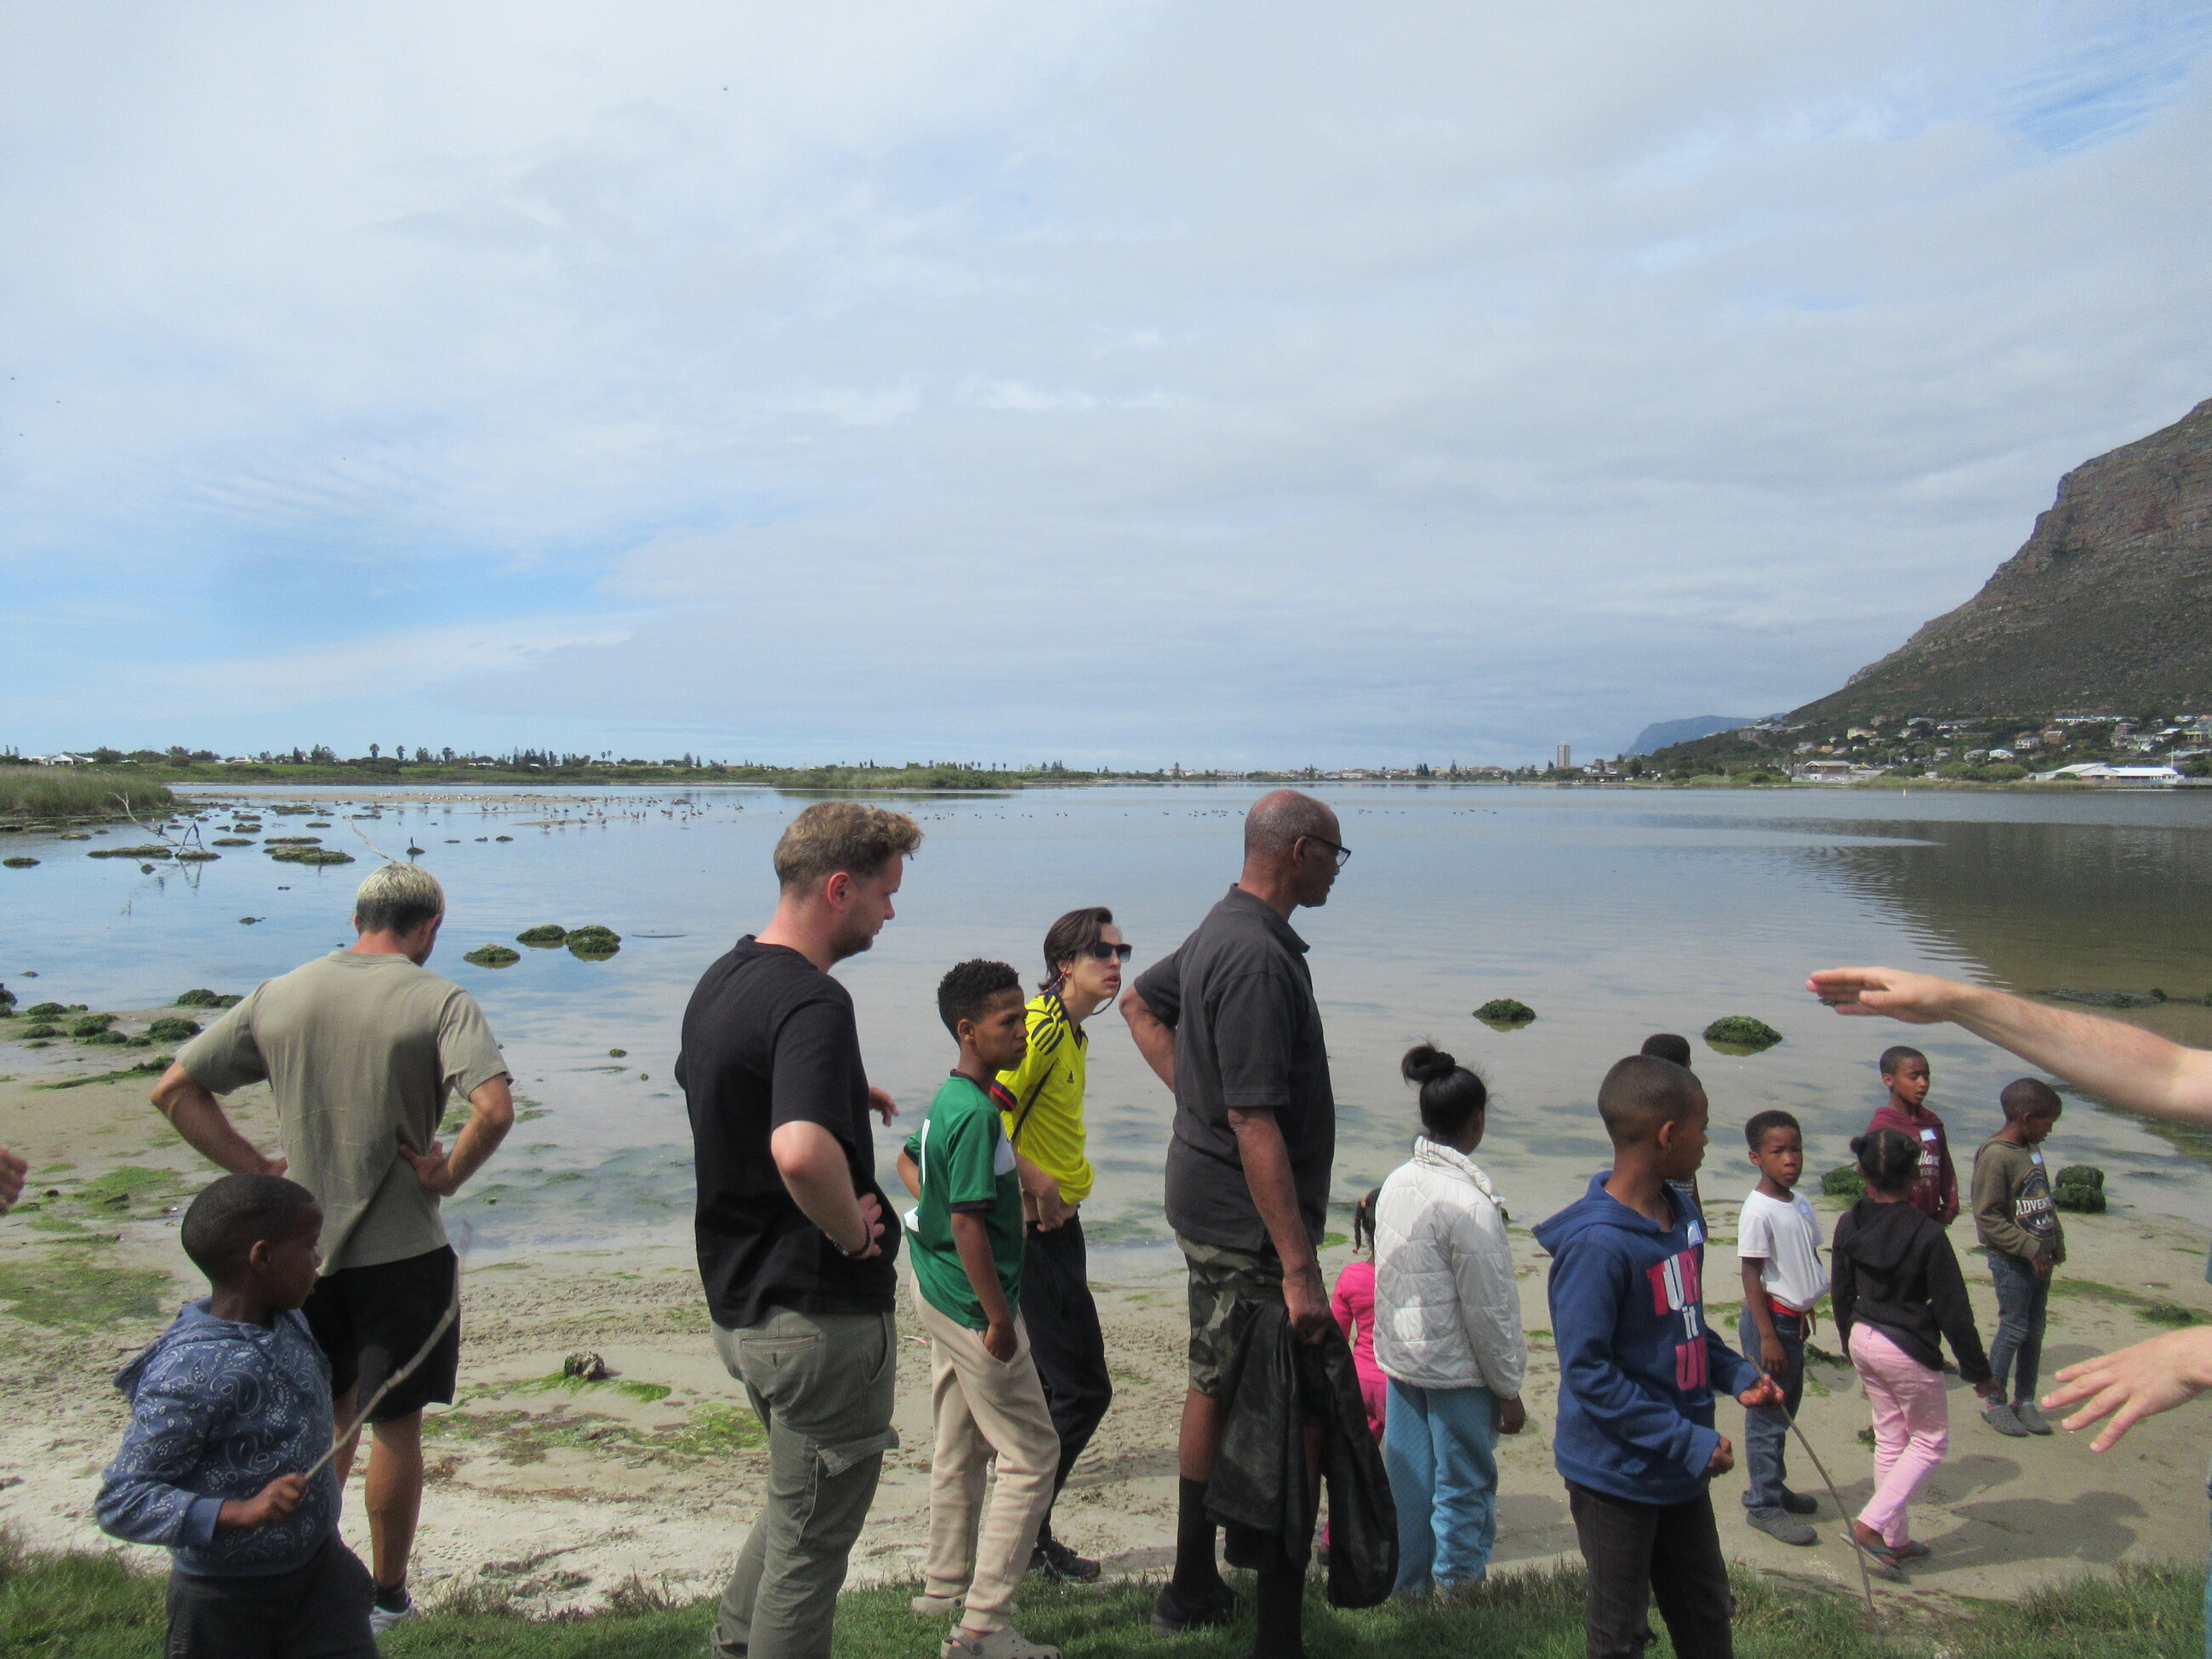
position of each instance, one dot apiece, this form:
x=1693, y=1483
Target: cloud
x=1088, y=380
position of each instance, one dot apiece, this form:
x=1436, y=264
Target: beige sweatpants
x=983, y=1407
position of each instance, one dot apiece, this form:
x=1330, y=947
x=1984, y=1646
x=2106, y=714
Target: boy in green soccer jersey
x=984, y=1389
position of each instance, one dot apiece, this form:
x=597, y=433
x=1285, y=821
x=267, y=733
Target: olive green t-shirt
x=361, y=1052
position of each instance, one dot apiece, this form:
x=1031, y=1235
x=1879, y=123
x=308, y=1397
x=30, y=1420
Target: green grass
x=88, y=1606
x=41, y=791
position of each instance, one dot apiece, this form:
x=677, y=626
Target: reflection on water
x=1612, y=915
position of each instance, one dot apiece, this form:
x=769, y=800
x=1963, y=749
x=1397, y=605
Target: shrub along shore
x=54, y=793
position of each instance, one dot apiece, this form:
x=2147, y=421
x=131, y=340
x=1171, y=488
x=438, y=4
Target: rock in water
x=494, y=956
x=1739, y=1033
x=1503, y=1012
x=545, y=934
x=586, y=1366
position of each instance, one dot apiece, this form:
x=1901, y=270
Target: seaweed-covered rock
x=2080, y=1174
x=494, y=956
x=586, y=1366
x=232, y=840
x=616, y=1054
x=150, y=850
x=44, y=1011
x=201, y=997
x=310, y=855
x=41, y=1029
x=2108, y=998
x=545, y=935
x=1844, y=1182
x=197, y=855
x=2083, y=1199
x=19, y=863
x=1741, y=1033
x=293, y=841
x=593, y=941
x=1505, y=1010
x=172, y=1028
x=90, y=1025
x=511, y=838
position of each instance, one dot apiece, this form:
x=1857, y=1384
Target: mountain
x=1660, y=733
x=2106, y=610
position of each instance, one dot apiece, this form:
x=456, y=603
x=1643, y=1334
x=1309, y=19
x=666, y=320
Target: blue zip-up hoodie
x=218, y=1410
x=1637, y=1359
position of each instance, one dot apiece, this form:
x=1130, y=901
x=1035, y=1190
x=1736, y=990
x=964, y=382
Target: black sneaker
x=1172, y=1615
x=1052, y=1560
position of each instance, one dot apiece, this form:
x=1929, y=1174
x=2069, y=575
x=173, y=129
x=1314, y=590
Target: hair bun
x=1424, y=1063
x=1859, y=1145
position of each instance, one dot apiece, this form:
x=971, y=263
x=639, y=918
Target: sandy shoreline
x=561, y=1494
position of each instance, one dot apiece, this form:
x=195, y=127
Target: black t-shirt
x=1248, y=1034
x=768, y=1039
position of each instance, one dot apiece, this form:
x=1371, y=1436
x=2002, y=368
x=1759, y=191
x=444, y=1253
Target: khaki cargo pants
x=822, y=1385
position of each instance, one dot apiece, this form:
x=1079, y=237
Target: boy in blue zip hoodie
x=229, y=1408
x=1638, y=1363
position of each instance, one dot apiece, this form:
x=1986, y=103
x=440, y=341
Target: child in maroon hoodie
x=1936, y=1186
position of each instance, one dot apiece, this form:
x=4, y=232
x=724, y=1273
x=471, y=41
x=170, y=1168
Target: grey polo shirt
x=1248, y=1034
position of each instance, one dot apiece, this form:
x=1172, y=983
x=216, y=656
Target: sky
x=1122, y=383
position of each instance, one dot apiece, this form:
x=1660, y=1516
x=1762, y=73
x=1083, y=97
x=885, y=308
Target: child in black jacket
x=1896, y=1289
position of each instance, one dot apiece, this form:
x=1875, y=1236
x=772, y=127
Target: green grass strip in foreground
x=89, y=1605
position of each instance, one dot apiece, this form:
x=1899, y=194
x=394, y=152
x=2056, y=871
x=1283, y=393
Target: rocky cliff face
x=2107, y=609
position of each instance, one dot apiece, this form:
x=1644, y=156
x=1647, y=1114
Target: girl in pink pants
x=1898, y=1292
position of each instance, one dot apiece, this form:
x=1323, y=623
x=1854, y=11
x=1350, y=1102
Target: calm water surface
x=1611, y=914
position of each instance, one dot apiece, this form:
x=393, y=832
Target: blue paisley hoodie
x=218, y=1410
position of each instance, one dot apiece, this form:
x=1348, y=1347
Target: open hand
x=881, y=1103
x=1764, y=1392
x=1915, y=999
x=274, y=1501
x=431, y=1169
x=2136, y=1383
x=1724, y=1457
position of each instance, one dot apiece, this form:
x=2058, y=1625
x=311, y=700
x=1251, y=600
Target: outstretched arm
x=2132, y=1067
x=2136, y=1383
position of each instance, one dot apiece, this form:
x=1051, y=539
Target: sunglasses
x=1102, y=951
x=1341, y=853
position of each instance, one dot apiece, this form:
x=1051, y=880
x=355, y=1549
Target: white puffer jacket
x=1447, y=1306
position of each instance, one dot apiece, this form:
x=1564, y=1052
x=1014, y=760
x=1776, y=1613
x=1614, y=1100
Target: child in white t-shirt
x=1778, y=1241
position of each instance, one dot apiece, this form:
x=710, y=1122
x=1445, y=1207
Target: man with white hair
x=362, y=1049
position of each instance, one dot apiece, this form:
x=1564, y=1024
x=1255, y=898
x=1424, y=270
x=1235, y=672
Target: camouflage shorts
x=1226, y=1287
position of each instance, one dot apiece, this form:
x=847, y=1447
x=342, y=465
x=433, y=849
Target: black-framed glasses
x=1102, y=951
x=1340, y=853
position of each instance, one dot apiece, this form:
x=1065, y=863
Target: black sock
x=1195, y=1570
x=1281, y=1609
x=392, y=1598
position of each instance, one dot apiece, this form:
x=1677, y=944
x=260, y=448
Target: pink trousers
x=1911, y=1428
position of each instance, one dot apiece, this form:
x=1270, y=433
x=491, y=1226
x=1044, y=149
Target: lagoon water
x=1613, y=914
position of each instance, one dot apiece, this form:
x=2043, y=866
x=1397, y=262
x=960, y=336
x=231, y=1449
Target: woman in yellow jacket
x=1042, y=1100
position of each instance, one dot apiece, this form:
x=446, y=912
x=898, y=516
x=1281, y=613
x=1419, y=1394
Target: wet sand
x=560, y=1495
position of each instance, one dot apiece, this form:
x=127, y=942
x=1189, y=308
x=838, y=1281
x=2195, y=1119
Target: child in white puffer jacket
x=1447, y=1333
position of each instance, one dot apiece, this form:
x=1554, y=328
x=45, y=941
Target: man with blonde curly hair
x=793, y=1246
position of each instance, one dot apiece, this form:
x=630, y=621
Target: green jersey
x=967, y=1167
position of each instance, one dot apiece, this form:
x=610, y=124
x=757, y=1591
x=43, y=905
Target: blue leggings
x=1440, y=1449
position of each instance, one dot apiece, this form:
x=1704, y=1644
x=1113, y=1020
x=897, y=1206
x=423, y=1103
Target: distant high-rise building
x=1562, y=757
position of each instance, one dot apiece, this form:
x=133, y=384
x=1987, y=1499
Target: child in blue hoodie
x=229, y=1408
x=1638, y=1363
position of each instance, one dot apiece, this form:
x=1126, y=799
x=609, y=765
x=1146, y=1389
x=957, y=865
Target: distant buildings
x=1562, y=757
